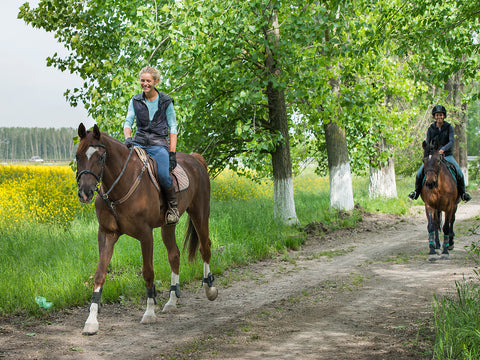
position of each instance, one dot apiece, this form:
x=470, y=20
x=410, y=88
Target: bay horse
x=439, y=192
x=128, y=202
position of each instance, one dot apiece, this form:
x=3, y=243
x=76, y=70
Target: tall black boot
x=171, y=216
x=461, y=189
x=418, y=188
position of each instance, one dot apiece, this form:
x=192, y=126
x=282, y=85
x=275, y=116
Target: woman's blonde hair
x=152, y=71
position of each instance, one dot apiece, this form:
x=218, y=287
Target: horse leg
x=438, y=222
x=106, y=242
x=200, y=224
x=168, y=237
x=452, y=233
x=431, y=232
x=446, y=236
x=148, y=275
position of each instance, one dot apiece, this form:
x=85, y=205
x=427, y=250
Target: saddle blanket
x=179, y=176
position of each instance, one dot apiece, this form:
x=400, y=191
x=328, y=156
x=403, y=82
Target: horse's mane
x=429, y=149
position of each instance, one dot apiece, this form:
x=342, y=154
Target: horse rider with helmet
x=443, y=132
x=156, y=133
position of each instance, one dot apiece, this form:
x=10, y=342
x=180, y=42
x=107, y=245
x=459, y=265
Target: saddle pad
x=451, y=168
x=180, y=178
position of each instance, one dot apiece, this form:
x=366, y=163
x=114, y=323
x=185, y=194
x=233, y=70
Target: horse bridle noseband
x=105, y=196
x=87, y=171
x=436, y=171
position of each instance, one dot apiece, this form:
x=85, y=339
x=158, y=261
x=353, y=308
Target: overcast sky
x=31, y=94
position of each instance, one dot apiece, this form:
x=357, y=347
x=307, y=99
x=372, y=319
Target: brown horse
x=439, y=192
x=128, y=202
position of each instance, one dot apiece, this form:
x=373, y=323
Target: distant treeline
x=49, y=144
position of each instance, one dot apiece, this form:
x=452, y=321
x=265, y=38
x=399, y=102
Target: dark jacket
x=155, y=132
x=445, y=137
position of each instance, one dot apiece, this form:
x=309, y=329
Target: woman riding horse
x=443, y=132
x=155, y=122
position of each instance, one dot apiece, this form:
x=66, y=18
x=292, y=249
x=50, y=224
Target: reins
x=98, y=188
x=443, y=161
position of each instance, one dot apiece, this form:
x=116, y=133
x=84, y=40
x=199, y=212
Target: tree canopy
x=391, y=58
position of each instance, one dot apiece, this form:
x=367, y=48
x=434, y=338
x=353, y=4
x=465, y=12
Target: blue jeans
x=451, y=160
x=160, y=154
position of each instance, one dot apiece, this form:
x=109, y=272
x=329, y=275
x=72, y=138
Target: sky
x=31, y=94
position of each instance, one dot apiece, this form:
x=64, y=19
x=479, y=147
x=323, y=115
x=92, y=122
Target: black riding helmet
x=439, y=109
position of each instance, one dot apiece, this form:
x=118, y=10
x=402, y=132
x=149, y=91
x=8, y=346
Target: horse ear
x=437, y=145
x=424, y=144
x=82, y=132
x=96, y=132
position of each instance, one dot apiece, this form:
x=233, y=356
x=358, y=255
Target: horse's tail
x=191, y=236
x=191, y=239
x=201, y=159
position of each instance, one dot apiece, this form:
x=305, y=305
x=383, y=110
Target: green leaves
x=213, y=59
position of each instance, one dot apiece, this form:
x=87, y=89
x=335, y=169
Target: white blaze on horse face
x=430, y=156
x=90, y=152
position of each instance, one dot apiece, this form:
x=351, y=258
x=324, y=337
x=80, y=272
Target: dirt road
x=351, y=294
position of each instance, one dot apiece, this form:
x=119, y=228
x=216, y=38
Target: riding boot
x=461, y=189
x=418, y=188
x=171, y=216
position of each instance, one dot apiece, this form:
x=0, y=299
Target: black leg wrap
x=96, y=298
x=208, y=280
x=176, y=288
x=152, y=293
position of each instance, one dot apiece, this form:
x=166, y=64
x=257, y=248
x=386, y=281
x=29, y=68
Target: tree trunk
x=382, y=180
x=341, y=191
x=284, y=203
x=455, y=88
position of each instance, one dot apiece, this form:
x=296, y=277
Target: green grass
x=457, y=324
x=59, y=263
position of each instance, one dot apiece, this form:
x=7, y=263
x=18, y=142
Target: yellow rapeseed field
x=230, y=186
x=37, y=193
x=47, y=194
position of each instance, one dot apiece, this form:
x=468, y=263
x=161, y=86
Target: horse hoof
x=169, y=308
x=211, y=293
x=90, y=329
x=451, y=247
x=433, y=257
x=148, y=319
x=445, y=257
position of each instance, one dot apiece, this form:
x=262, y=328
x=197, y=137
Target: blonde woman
x=156, y=132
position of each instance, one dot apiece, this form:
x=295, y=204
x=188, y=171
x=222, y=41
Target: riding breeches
x=452, y=161
x=160, y=154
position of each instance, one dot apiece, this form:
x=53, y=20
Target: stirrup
x=172, y=216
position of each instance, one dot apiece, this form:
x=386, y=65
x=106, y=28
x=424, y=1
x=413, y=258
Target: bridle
x=105, y=196
x=435, y=170
x=88, y=171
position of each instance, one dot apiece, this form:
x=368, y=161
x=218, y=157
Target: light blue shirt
x=152, y=108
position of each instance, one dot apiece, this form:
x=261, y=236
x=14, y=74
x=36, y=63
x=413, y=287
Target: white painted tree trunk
x=465, y=174
x=341, y=192
x=382, y=181
x=284, y=203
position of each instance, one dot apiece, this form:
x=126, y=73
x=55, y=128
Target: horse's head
x=90, y=156
x=431, y=164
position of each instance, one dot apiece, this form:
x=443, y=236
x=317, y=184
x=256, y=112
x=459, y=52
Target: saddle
x=451, y=168
x=179, y=176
